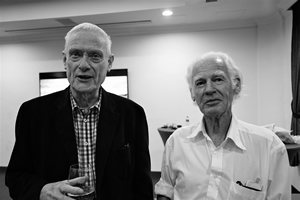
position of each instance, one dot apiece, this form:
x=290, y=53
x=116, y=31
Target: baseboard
x=3, y=169
x=155, y=176
x=295, y=196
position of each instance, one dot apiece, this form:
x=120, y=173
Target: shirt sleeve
x=279, y=179
x=165, y=186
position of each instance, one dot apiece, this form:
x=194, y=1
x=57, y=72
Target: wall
x=157, y=66
x=274, y=72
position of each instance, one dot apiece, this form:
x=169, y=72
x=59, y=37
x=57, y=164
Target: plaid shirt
x=85, y=126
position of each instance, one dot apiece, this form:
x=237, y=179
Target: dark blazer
x=46, y=146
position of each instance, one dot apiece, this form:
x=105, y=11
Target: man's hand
x=58, y=190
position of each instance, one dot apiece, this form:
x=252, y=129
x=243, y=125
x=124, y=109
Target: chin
x=84, y=89
x=212, y=112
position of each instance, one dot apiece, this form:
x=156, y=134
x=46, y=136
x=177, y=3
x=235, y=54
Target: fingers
x=59, y=190
x=78, y=180
x=66, y=188
x=53, y=191
x=72, y=185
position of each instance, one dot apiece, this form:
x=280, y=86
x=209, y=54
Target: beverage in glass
x=88, y=186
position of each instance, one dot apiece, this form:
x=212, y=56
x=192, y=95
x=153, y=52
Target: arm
x=164, y=188
x=142, y=182
x=21, y=179
x=280, y=184
x=33, y=165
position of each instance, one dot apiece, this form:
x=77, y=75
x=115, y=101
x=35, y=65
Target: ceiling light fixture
x=167, y=13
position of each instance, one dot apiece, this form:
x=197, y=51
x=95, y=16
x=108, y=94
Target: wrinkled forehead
x=213, y=65
x=212, y=61
x=85, y=38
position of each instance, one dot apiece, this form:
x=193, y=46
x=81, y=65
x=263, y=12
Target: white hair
x=234, y=72
x=89, y=27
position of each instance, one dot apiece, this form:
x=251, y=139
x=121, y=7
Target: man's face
x=87, y=62
x=212, y=88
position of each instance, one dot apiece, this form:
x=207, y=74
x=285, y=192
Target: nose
x=209, y=87
x=84, y=64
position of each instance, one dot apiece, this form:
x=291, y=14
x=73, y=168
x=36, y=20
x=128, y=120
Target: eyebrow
x=75, y=49
x=216, y=73
x=86, y=50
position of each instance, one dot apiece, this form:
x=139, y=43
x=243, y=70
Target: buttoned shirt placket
x=85, y=125
x=216, y=168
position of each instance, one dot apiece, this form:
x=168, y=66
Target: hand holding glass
x=88, y=186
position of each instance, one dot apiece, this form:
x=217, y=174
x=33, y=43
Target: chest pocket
x=237, y=192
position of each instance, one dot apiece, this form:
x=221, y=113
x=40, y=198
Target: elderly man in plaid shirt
x=82, y=124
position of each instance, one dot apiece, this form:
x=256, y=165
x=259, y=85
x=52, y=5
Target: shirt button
x=85, y=120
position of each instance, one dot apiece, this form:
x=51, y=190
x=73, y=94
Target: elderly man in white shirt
x=222, y=157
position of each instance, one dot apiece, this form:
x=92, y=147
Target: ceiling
x=47, y=19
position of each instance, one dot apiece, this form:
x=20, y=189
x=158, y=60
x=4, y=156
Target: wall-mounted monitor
x=116, y=82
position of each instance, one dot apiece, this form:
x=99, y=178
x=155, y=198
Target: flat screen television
x=116, y=82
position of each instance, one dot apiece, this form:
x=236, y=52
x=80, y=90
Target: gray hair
x=234, y=72
x=89, y=27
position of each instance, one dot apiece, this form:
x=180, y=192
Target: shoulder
x=123, y=102
x=185, y=131
x=261, y=134
x=255, y=129
x=43, y=101
x=121, y=105
x=184, y=134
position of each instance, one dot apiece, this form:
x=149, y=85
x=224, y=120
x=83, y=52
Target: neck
x=86, y=100
x=217, y=127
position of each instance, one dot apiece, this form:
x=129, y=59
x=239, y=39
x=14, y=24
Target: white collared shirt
x=194, y=169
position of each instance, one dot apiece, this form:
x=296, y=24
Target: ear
x=237, y=87
x=64, y=59
x=110, y=62
x=192, y=95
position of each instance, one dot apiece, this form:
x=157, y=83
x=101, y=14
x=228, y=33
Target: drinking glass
x=88, y=186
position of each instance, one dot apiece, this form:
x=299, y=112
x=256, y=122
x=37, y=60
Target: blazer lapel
x=63, y=121
x=105, y=133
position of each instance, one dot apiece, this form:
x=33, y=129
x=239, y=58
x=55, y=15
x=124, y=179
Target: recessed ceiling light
x=167, y=13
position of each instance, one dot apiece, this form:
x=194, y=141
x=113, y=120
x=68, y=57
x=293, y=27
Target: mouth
x=212, y=101
x=84, y=77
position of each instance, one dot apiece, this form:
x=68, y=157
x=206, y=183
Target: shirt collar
x=233, y=132
x=196, y=131
x=75, y=105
